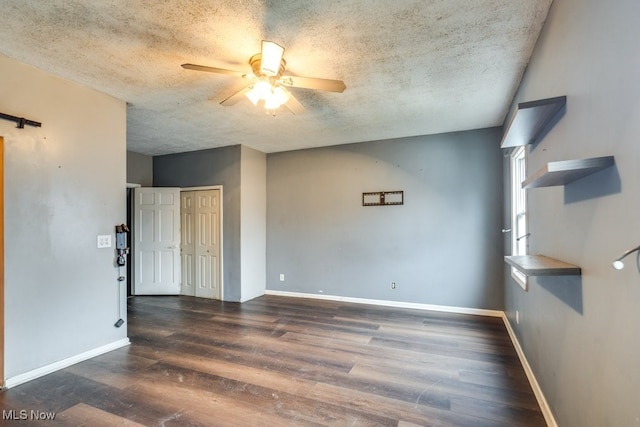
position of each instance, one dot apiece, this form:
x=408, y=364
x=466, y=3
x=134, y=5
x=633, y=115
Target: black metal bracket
x=20, y=121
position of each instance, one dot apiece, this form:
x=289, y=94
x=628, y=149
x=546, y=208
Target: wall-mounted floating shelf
x=566, y=171
x=540, y=265
x=530, y=119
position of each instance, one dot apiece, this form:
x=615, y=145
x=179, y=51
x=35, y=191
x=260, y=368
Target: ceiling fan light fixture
x=272, y=95
x=276, y=98
x=260, y=90
x=271, y=58
x=253, y=97
x=268, y=82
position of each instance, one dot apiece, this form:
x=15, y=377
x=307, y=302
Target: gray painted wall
x=139, y=169
x=218, y=166
x=253, y=222
x=241, y=171
x=65, y=184
x=582, y=335
x=442, y=247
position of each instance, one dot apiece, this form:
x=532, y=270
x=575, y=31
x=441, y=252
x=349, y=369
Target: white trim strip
x=542, y=401
x=61, y=364
x=398, y=304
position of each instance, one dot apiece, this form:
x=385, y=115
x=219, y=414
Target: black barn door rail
x=21, y=121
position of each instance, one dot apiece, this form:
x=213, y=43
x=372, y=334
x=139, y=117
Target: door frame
x=129, y=195
x=216, y=187
x=1, y=262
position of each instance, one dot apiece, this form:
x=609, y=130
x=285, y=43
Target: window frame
x=519, y=211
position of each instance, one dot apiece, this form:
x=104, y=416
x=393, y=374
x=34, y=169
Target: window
x=519, y=234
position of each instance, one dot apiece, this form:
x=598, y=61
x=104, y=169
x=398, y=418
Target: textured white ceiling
x=412, y=67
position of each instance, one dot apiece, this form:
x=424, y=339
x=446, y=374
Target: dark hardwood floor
x=289, y=361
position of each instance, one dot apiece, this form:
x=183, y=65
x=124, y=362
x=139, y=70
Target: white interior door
x=187, y=245
x=207, y=243
x=156, y=216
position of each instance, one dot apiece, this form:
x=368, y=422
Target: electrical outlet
x=393, y=285
x=282, y=277
x=104, y=241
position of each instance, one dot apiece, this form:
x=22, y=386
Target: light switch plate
x=104, y=241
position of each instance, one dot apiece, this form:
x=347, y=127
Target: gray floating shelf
x=566, y=171
x=530, y=120
x=540, y=265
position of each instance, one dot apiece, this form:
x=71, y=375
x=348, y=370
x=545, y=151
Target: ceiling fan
x=268, y=83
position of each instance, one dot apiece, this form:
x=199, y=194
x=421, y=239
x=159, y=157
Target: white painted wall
x=139, y=169
x=253, y=222
x=64, y=185
x=582, y=335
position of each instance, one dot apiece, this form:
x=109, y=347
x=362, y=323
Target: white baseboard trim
x=397, y=304
x=542, y=401
x=61, y=364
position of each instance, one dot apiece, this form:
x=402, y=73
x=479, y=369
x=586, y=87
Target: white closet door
x=207, y=244
x=187, y=246
x=156, y=241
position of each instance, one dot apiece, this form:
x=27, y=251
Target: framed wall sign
x=383, y=198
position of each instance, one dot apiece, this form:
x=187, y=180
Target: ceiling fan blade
x=313, y=83
x=235, y=97
x=213, y=70
x=294, y=106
